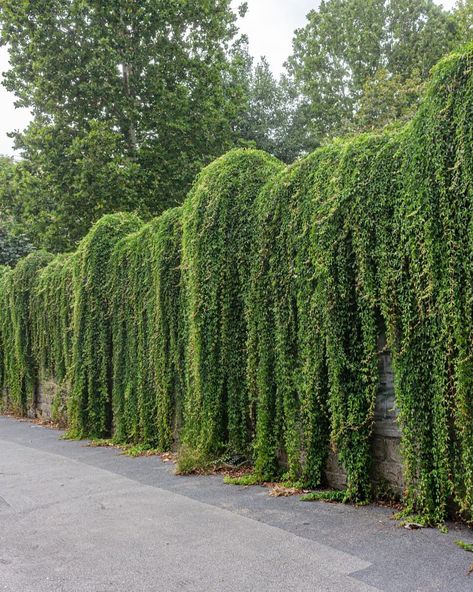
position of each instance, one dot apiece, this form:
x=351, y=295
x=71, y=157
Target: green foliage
x=218, y=237
x=51, y=317
x=268, y=120
x=463, y=16
x=51, y=309
x=246, y=324
x=244, y=480
x=13, y=244
x=388, y=99
x=362, y=233
x=345, y=44
x=3, y=341
x=168, y=345
x=313, y=356
x=19, y=372
x=130, y=100
x=90, y=409
x=431, y=291
x=147, y=329
x=14, y=241
x=324, y=496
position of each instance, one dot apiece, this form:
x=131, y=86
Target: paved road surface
x=75, y=519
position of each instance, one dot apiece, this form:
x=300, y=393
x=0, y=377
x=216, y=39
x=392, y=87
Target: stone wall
x=387, y=463
x=51, y=400
x=47, y=391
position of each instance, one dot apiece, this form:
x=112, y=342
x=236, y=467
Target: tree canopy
x=129, y=99
x=348, y=47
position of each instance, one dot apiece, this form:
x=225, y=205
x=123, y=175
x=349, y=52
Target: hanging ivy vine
x=51, y=317
x=147, y=328
x=19, y=367
x=90, y=408
x=218, y=234
x=247, y=322
x=431, y=314
x=51, y=310
x=169, y=329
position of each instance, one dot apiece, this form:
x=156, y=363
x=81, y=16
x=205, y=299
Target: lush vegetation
x=19, y=365
x=147, y=333
x=246, y=323
x=218, y=235
x=90, y=405
x=131, y=99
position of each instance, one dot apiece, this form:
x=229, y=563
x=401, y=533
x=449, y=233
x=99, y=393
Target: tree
x=68, y=180
x=143, y=92
x=464, y=19
x=348, y=46
x=13, y=246
x=387, y=98
x=14, y=241
x=267, y=117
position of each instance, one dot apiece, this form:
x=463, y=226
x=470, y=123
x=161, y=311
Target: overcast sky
x=269, y=25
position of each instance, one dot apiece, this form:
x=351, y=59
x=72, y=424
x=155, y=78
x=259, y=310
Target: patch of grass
x=101, y=443
x=135, y=450
x=466, y=547
x=190, y=462
x=245, y=480
x=325, y=496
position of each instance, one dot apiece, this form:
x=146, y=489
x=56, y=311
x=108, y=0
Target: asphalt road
x=75, y=518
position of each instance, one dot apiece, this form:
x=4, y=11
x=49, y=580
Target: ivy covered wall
x=247, y=322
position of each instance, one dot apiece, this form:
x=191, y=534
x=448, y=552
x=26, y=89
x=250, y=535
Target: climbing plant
x=51, y=317
x=130, y=289
x=218, y=237
x=431, y=312
x=147, y=333
x=3, y=327
x=90, y=409
x=247, y=322
x=167, y=347
x=386, y=242
x=19, y=367
x=314, y=309
x=51, y=310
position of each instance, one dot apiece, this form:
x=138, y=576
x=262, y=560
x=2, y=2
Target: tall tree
x=464, y=19
x=268, y=118
x=14, y=240
x=348, y=44
x=387, y=99
x=143, y=91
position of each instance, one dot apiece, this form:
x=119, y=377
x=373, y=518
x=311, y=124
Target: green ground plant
x=244, y=480
x=325, y=496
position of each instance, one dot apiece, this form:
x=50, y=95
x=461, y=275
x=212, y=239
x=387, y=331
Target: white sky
x=269, y=24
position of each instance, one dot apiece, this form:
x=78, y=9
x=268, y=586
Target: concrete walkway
x=75, y=518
